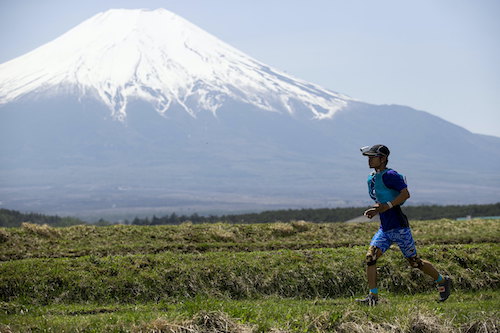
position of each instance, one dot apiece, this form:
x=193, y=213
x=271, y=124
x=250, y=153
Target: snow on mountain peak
x=157, y=56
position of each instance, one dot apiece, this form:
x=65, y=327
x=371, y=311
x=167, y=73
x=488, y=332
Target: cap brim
x=373, y=154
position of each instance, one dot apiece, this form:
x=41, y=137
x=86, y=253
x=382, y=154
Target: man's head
x=377, y=156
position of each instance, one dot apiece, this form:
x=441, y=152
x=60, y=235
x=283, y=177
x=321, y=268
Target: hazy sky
x=439, y=56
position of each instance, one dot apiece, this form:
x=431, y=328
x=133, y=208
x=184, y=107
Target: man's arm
x=382, y=207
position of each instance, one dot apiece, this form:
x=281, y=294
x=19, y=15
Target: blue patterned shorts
x=401, y=236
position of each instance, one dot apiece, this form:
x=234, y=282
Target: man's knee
x=415, y=262
x=372, y=255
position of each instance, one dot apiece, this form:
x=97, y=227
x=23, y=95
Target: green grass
x=283, y=277
x=286, y=273
x=263, y=314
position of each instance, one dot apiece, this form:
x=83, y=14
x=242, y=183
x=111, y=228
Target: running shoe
x=370, y=300
x=444, y=289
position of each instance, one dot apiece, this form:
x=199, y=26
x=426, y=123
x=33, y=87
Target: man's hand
x=371, y=212
x=377, y=208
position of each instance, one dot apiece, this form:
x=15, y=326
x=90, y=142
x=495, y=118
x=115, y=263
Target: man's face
x=375, y=162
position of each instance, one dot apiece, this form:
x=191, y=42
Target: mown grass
x=34, y=241
x=283, y=277
x=398, y=313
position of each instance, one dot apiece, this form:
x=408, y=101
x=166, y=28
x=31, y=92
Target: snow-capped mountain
x=141, y=112
x=159, y=57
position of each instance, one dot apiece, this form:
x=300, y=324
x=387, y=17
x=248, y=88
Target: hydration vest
x=377, y=189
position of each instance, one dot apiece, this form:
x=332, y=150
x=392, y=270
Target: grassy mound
x=286, y=273
x=35, y=241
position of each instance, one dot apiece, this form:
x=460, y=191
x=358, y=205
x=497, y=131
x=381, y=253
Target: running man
x=389, y=191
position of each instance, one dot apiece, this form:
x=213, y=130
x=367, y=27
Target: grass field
x=281, y=277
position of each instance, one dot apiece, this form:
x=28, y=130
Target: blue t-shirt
x=383, y=187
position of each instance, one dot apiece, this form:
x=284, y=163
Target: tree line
x=327, y=215
x=12, y=218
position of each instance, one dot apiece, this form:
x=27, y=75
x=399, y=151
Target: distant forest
x=11, y=218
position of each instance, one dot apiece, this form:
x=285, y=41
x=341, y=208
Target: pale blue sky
x=440, y=56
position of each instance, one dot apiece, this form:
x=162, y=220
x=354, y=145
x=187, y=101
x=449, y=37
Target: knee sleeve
x=415, y=262
x=372, y=255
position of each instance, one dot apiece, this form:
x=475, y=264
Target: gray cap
x=376, y=150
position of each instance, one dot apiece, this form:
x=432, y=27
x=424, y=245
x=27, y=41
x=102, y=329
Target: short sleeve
x=393, y=180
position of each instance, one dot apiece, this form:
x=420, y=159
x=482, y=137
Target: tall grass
x=285, y=273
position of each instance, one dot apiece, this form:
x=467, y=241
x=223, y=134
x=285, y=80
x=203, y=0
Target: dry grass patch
x=41, y=230
x=4, y=235
x=280, y=229
x=302, y=226
x=222, y=233
x=350, y=322
x=203, y=322
x=491, y=325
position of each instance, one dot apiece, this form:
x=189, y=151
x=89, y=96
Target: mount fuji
x=158, y=57
x=140, y=112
